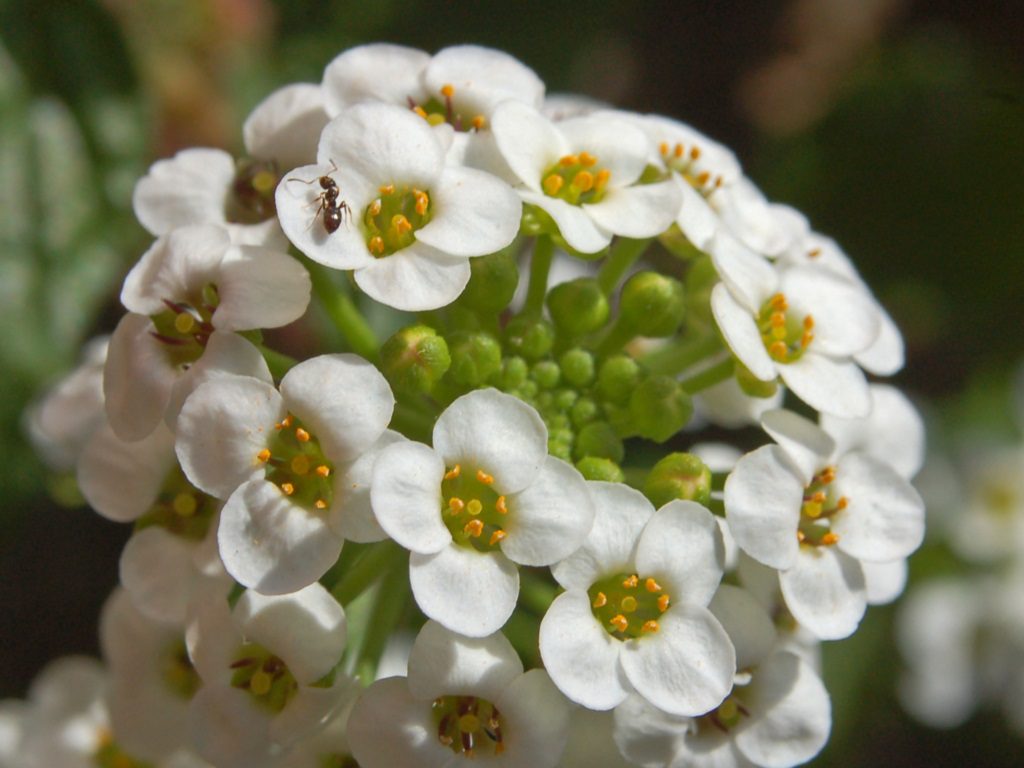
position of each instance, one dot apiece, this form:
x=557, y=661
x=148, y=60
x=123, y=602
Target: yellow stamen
x=479, y=122
x=702, y=178
x=827, y=475
x=483, y=477
x=323, y=470
x=387, y=189
x=447, y=90
x=422, y=201
x=628, y=604
x=843, y=503
x=284, y=423
x=631, y=582
x=553, y=184
x=663, y=602
x=583, y=181
x=260, y=682
x=587, y=159
x=829, y=539
x=812, y=510
x=601, y=600
x=800, y=536
x=264, y=181
x=474, y=507
x=474, y=528
x=401, y=224
x=263, y=456
x=694, y=152
x=778, y=350
x=375, y=207
x=650, y=626
x=497, y=536
x=376, y=245
x=435, y=118
x=500, y=507
x=663, y=148
x=184, y=322
x=456, y=505
x=778, y=302
x=602, y=178
x=678, y=150
x=778, y=319
x=652, y=586
x=184, y=504
x=814, y=253
x=300, y=464
x=620, y=622
x=469, y=722
x=301, y=435
x=320, y=504
x=454, y=472
x=778, y=332
x=287, y=488
x=806, y=339
x=420, y=111
x=568, y=160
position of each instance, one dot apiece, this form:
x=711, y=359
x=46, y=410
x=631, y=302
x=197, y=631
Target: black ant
x=334, y=211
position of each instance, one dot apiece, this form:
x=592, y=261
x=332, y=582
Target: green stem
x=278, y=362
x=337, y=302
x=536, y=593
x=364, y=571
x=678, y=355
x=623, y=255
x=540, y=266
x=708, y=378
x=391, y=604
x=615, y=338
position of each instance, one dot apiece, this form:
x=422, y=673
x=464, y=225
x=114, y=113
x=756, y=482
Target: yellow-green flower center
x=296, y=464
x=180, y=508
x=469, y=725
x=391, y=220
x=577, y=179
x=265, y=676
x=820, y=503
x=786, y=335
x=628, y=606
x=725, y=716
x=177, y=671
x=473, y=511
x=252, y=192
x=109, y=755
x=683, y=160
x=184, y=327
x=442, y=108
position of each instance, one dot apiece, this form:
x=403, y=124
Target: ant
x=334, y=211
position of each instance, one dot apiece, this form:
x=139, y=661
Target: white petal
x=228, y=728
x=794, y=714
x=346, y=402
x=807, y=446
x=414, y=279
x=271, y=544
x=748, y=624
x=189, y=188
x=175, y=268
x=884, y=517
x=549, y=520
x=495, y=432
x=695, y=217
x=845, y=321
x=388, y=728
x=536, y=712
x=306, y=629
x=576, y=226
x=824, y=590
x=260, y=288
x=482, y=78
x=727, y=405
x=886, y=355
x=406, y=496
x=643, y=210
x=137, y=379
x=686, y=667
x=286, y=125
x=763, y=497
x=828, y=385
x=469, y=592
x=741, y=334
x=751, y=278
x=352, y=491
x=619, y=145
x=443, y=662
x=305, y=714
x=884, y=582
x=746, y=212
x=221, y=428
x=620, y=514
x=581, y=657
x=156, y=570
x=529, y=142
x=474, y=213
x=121, y=480
x=378, y=72
x=646, y=735
x=682, y=546
x=211, y=638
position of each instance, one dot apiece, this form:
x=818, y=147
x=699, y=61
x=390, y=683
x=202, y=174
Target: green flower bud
x=564, y=399
x=583, y=410
x=530, y=337
x=617, y=378
x=594, y=468
x=751, y=385
x=475, y=358
x=415, y=358
x=560, y=421
x=678, y=476
x=492, y=284
x=578, y=307
x=527, y=391
x=560, y=450
x=599, y=439
x=546, y=373
x=659, y=408
x=514, y=371
x=577, y=367
x=652, y=304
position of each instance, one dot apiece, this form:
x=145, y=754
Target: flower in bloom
x=464, y=697
x=634, y=615
x=410, y=222
x=585, y=173
x=190, y=286
x=280, y=460
x=802, y=324
x=814, y=515
x=485, y=498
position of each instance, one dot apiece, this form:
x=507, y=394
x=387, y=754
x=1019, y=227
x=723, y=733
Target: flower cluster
x=463, y=490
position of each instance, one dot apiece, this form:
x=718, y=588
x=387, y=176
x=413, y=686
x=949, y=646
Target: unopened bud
x=652, y=304
x=595, y=468
x=492, y=284
x=617, y=378
x=529, y=336
x=578, y=307
x=678, y=476
x=659, y=408
x=599, y=438
x=475, y=358
x=577, y=367
x=751, y=385
x=415, y=358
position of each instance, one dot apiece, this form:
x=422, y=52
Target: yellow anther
x=497, y=536
x=387, y=189
x=454, y=472
x=301, y=435
x=702, y=178
x=184, y=504
x=583, y=181
x=778, y=302
x=260, y=683
x=806, y=339
x=818, y=497
x=652, y=586
x=479, y=122
x=300, y=464
x=809, y=322
x=569, y=160
x=456, y=505
x=445, y=739
x=678, y=150
x=602, y=178
x=620, y=622
x=631, y=582
x=469, y=722
x=323, y=470
x=474, y=528
x=500, y=507
x=474, y=507
x=814, y=253
x=375, y=207
x=422, y=201
x=601, y=600
x=778, y=350
x=827, y=475
x=800, y=536
x=663, y=603
x=587, y=159
x=263, y=456
x=843, y=503
x=320, y=504
x=829, y=539
x=663, y=148
x=628, y=604
x=287, y=489
x=718, y=182
x=401, y=224
x=436, y=118
x=650, y=626
x=420, y=111
x=812, y=510
x=376, y=245
x=778, y=319
x=694, y=152
x=184, y=322
x=483, y=477
x=447, y=90
x=553, y=184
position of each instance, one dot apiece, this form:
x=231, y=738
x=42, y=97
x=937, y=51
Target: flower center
x=109, y=755
x=473, y=511
x=177, y=671
x=392, y=219
x=252, y=192
x=785, y=334
x=468, y=725
x=441, y=109
x=628, y=606
x=725, y=717
x=180, y=508
x=683, y=161
x=265, y=676
x=296, y=464
x=820, y=504
x=577, y=179
x=184, y=327
x=337, y=760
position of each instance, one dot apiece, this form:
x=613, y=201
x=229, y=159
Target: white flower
x=727, y=405
x=989, y=524
x=802, y=324
x=585, y=173
x=280, y=461
x=268, y=668
x=409, y=222
x=285, y=127
x=485, y=498
x=766, y=228
x=813, y=514
x=464, y=697
x=590, y=741
x=190, y=285
x=634, y=616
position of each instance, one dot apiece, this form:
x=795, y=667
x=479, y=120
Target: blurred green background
x=898, y=127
